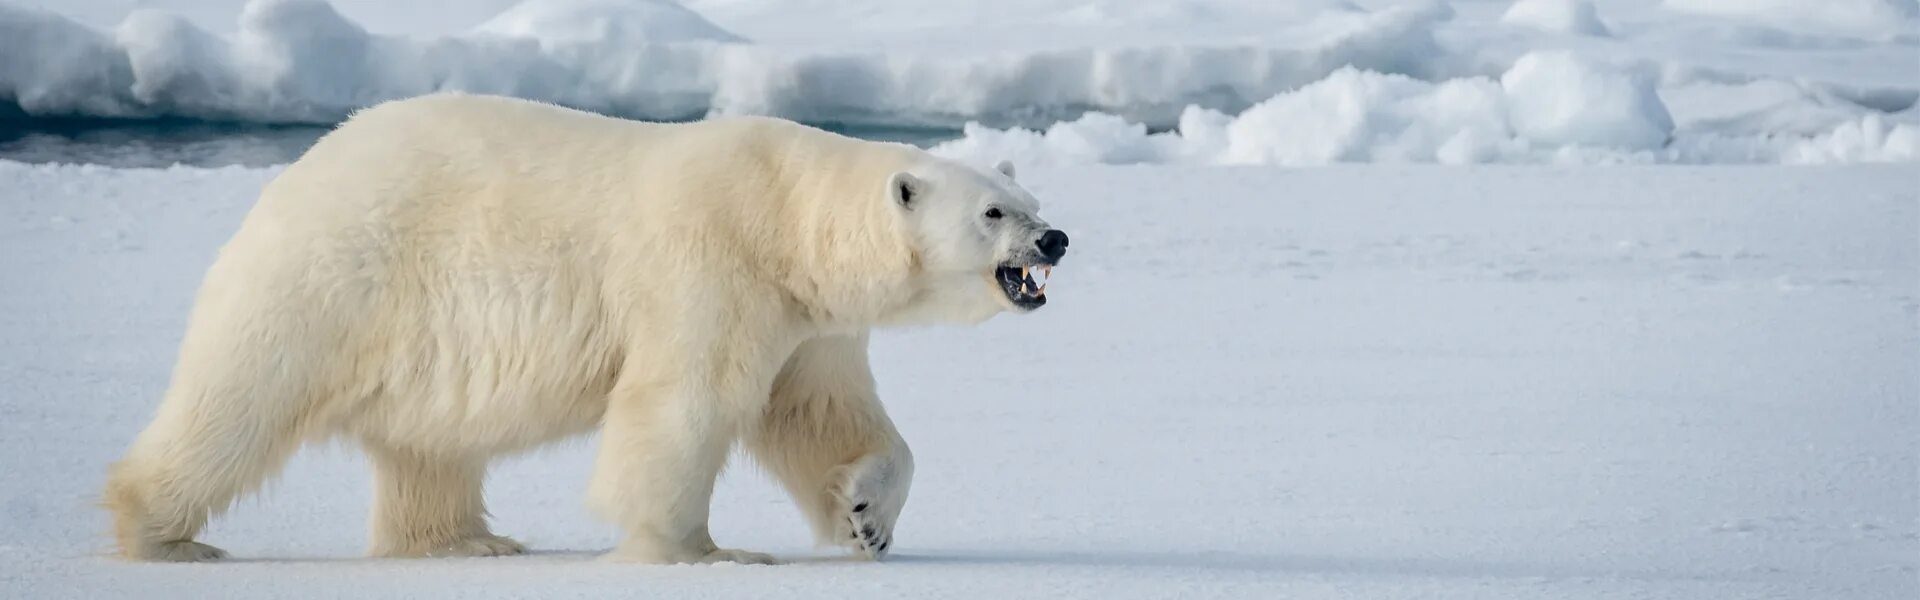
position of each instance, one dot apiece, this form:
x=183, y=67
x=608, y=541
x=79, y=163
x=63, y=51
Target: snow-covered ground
x=1255, y=381
x=1244, y=81
x=1356, y=382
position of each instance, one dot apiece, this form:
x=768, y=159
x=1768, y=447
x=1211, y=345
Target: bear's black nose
x=1053, y=244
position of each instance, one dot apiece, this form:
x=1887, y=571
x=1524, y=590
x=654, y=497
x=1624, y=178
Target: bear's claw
x=866, y=539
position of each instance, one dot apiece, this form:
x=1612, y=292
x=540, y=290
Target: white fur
x=451, y=278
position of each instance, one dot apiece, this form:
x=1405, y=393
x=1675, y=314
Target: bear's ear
x=905, y=189
x=1005, y=168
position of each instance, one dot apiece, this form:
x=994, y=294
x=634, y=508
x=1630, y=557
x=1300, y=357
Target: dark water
x=162, y=143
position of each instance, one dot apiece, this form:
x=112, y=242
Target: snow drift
x=1874, y=18
x=1562, y=16
x=1198, y=81
x=1550, y=107
x=300, y=61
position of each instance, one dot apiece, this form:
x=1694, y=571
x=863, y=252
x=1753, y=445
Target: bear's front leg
x=828, y=440
x=661, y=450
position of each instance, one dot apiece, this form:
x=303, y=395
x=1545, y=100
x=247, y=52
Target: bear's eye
x=994, y=213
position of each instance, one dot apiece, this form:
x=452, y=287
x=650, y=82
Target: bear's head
x=980, y=244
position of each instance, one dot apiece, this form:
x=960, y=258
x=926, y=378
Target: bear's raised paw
x=868, y=495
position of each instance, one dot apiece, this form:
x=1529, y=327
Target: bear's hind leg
x=430, y=506
x=189, y=465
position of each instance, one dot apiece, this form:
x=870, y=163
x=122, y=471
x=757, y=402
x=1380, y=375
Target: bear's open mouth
x=1020, y=285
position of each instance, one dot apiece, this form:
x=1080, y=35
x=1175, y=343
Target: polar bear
x=452, y=278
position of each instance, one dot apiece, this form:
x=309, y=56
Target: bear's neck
x=848, y=257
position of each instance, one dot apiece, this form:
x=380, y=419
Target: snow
x=1551, y=107
x=1879, y=18
x=1369, y=382
x=1843, y=77
x=1561, y=16
x=302, y=61
x=623, y=22
x=1652, y=379
x=1558, y=99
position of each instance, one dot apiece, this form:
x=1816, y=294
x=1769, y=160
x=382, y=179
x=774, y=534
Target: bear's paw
x=182, y=551
x=484, y=545
x=868, y=495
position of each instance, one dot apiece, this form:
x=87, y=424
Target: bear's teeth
x=1040, y=275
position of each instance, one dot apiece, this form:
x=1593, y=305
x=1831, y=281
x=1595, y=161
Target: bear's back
x=453, y=143
x=451, y=183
